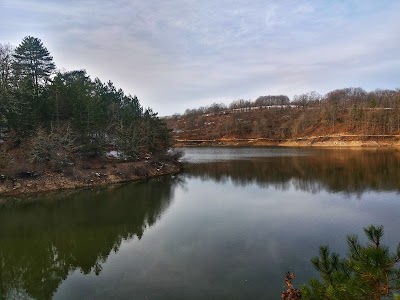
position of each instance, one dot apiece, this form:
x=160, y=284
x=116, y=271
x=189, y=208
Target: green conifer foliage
x=370, y=272
x=41, y=110
x=33, y=61
x=32, y=67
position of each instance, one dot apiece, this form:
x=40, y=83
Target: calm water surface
x=228, y=228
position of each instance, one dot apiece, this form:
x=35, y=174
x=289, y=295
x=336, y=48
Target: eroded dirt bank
x=85, y=174
x=313, y=141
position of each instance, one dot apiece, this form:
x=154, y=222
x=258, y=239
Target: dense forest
x=54, y=115
x=348, y=111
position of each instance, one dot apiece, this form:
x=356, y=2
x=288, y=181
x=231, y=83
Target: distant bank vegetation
x=58, y=114
x=342, y=111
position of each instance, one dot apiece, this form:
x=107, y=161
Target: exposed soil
x=338, y=140
x=313, y=126
x=33, y=181
x=19, y=177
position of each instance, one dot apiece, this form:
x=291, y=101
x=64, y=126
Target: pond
x=229, y=227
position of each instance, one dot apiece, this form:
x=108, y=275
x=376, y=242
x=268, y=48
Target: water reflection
x=230, y=230
x=352, y=172
x=43, y=240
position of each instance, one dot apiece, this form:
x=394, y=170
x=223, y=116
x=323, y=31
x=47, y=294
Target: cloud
x=185, y=53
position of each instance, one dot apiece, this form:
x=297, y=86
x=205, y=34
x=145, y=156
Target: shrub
x=53, y=146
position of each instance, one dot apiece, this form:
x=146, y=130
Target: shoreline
x=334, y=141
x=29, y=183
x=110, y=172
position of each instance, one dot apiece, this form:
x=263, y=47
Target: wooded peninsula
x=65, y=130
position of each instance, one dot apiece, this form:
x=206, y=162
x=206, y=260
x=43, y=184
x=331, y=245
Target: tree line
x=214, y=108
x=346, y=98
x=348, y=110
x=58, y=113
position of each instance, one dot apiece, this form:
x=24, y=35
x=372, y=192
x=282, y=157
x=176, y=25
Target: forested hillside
x=348, y=112
x=56, y=114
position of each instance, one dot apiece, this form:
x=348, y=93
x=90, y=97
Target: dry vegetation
x=19, y=173
x=347, y=115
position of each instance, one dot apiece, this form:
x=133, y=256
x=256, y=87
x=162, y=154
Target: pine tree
x=32, y=67
x=369, y=272
x=33, y=61
x=6, y=103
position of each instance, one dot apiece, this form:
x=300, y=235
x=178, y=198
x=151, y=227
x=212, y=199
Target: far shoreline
x=334, y=141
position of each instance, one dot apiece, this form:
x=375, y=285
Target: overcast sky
x=178, y=54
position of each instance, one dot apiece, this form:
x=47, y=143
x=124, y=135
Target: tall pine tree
x=33, y=61
x=32, y=68
x=6, y=104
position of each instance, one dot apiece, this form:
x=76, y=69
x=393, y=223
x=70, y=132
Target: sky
x=179, y=54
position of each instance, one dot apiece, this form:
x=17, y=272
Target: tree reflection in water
x=352, y=172
x=45, y=239
x=42, y=240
